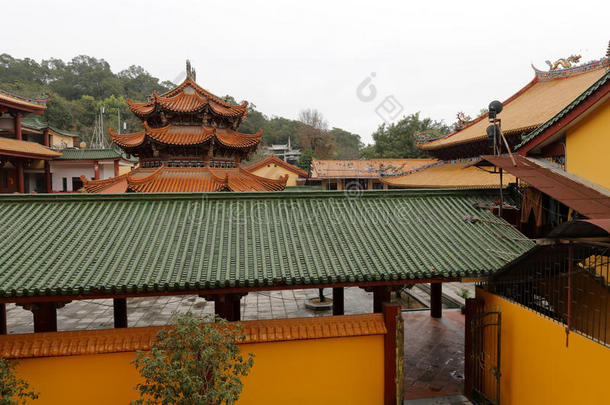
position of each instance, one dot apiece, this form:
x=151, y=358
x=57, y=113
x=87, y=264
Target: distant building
x=93, y=164
x=273, y=167
x=24, y=153
x=285, y=152
x=361, y=174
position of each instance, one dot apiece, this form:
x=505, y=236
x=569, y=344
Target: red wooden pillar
x=390, y=359
x=436, y=302
x=338, y=301
x=3, y=329
x=96, y=169
x=17, y=121
x=227, y=306
x=380, y=295
x=20, y=176
x=45, y=135
x=47, y=176
x=45, y=316
x=120, y=312
x=116, y=168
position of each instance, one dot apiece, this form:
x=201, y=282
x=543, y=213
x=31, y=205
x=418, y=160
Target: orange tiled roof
x=372, y=168
x=21, y=103
x=274, y=160
x=531, y=106
x=184, y=180
x=188, y=135
x=90, y=342
x=449, y=175
x=188, y=97
x=15, y=147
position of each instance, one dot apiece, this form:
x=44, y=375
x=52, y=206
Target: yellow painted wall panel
x=538, y=368
x=319, y=371
x=275, y=172
x=588, y=147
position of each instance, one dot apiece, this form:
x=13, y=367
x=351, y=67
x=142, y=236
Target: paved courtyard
x=434, y=354
x=155, y=311
x=434, y=348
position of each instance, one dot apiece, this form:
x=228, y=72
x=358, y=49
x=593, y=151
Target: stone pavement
x=156, y=311
x=450, y=400
x=434, y=354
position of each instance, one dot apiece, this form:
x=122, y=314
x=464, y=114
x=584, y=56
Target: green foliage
x=78, y=88
x=348, y=145
x=304, y=161
x=396, y=140
x=196, y=362
x=13, y=391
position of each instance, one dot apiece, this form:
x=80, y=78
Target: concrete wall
x=69, y=169
x=587, y=146
x=536, y=365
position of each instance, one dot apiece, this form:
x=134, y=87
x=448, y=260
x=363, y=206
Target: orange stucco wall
x=319, y=371
x=587, y=146
x=538, y=368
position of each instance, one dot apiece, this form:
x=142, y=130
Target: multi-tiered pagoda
x=189, y=143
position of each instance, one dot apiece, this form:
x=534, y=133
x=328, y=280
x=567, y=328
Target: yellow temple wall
x=315, y=370
x=587, y=146
x=61, y=141
x=538, y=368
x=275, y=172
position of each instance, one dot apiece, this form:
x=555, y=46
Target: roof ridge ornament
x=190, y=72
x=565, y=63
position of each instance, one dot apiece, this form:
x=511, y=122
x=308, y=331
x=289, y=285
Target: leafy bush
x=13, y=391
x=195, y=362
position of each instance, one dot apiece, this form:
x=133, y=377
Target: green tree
x=195, y=362
x=396, y=140
x=304, y=161
x=13, y=391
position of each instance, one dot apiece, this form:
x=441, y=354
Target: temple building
x=275, y=168
x=24, y=154
x=362, y=174
x=547, y=94
x=189, y=143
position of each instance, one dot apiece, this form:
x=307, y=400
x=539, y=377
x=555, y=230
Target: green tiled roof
x=101, y=244
x=594, y=87
x=89, y=154
x=39, y=123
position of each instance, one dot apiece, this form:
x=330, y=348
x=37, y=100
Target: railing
x=567, y=283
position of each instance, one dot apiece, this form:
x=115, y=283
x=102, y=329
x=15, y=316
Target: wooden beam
x=338, y=301
x=240, y=290
x=380, y=295
x=45, y=317
x=120, y=312
x=3, y=328
x=436, y=301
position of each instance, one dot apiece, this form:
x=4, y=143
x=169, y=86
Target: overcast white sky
x=436, y=57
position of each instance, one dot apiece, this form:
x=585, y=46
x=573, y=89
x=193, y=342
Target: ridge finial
x=190, y=72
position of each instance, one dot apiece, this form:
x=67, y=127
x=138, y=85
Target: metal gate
x=483, y=355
